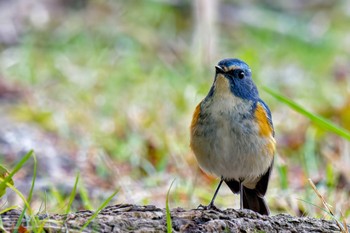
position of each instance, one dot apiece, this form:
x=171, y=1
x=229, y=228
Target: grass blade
x=99, y=209
x=8, y=209
x=29, y=198
x=26, y=204
x=18, y=166
x=318, y=120
x=283, y=176
x=3, y=173
x=85, y=196
x=169, y=224
x=2, y=229
x=72, y=194
x=30, y=195
x=328, y=207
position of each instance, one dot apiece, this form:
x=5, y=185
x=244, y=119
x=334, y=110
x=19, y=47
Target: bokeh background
x=107, y=89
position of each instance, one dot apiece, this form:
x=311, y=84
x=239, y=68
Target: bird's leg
x=211, y=204
x=240, y=195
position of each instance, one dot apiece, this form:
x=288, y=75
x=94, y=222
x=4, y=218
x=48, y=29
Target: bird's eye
x=241, y=74
x=237, y=73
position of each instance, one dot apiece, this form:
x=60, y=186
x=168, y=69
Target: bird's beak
x=219, y=70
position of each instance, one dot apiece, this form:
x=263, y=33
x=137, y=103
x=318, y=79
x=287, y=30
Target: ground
x=133, y=218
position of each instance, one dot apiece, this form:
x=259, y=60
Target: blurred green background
x=107, y=89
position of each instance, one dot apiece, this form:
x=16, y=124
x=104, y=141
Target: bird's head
x=233, y=75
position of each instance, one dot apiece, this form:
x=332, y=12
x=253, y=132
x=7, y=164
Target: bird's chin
x=222, y=84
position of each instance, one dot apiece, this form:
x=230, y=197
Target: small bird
x=232, y=135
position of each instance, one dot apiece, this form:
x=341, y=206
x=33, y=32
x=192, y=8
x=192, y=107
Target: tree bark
x=134, y=218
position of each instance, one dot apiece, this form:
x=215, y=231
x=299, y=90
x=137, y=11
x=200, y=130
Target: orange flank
x=195, y=116
x=265, y=129
x=271, y=147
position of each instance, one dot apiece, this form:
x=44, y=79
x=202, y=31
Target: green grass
x=35, y=224
x=3, y=174
x=103, y=205
x=169, y=224
x=7, y=182
x=315, y=118
x=308, y=157
x=85, y=196
x=72, y=194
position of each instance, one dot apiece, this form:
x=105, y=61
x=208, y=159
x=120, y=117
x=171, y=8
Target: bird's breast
x=227, y=140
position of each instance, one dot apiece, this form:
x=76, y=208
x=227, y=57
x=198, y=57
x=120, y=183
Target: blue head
x=235, y=75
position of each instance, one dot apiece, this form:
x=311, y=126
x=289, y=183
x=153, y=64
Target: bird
x=232, y=135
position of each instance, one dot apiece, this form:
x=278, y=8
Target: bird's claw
x=207, y=207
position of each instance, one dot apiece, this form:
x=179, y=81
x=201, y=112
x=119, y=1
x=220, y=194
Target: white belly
x=227, y=143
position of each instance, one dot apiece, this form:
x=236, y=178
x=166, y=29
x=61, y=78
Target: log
x=135, y=218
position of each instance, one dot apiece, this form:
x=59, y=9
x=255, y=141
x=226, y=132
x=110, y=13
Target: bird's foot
x=207, y=207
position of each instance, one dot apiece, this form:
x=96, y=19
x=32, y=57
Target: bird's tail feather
x=252, y=200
